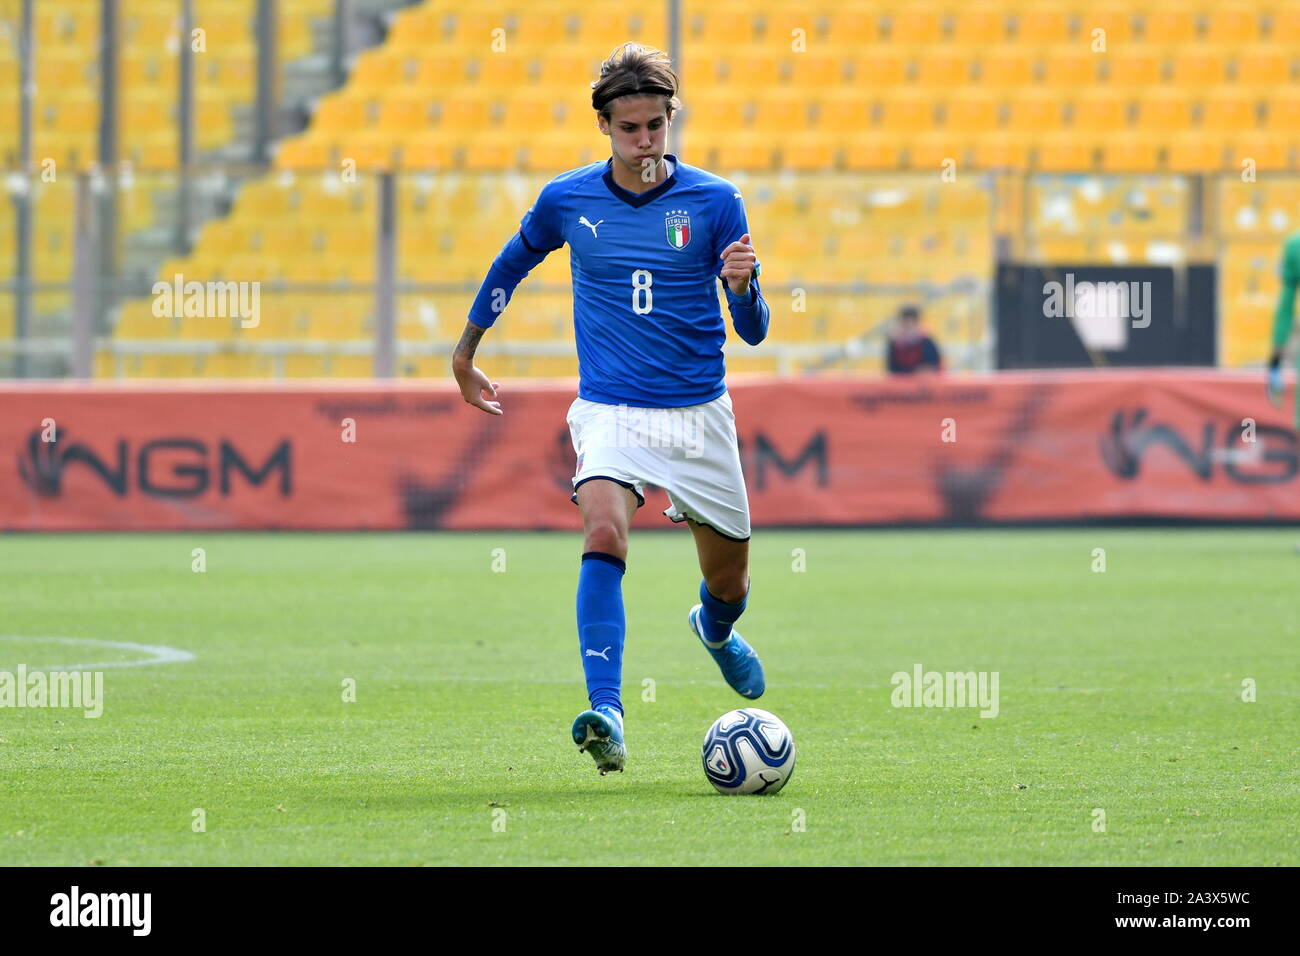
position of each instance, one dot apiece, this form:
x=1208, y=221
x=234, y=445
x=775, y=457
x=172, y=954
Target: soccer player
x=648, y=237
x=1282, y=319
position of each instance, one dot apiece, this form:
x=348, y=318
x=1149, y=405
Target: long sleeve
x=520, y=255
x=749, y=313
x=512, y=263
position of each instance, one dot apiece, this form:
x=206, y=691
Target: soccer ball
x=748, y=751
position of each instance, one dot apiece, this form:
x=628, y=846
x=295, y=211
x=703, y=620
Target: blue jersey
x=645, y=265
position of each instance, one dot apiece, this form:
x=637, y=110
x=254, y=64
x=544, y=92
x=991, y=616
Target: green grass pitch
x=1119, y=691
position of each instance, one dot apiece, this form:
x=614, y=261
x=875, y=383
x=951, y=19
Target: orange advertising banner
x=1013, y=447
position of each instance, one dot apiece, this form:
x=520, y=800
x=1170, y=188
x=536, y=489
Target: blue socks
x=601, y=627
x=717, y=616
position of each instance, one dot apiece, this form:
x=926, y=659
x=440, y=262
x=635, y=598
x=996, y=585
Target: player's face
x=637, y=131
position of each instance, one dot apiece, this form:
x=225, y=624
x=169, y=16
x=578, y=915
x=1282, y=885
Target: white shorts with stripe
x=690, y=452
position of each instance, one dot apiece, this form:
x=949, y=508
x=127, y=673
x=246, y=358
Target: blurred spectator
x=910, y=349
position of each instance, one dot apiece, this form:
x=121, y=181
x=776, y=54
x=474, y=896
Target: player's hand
x=1276, y=385
x=474, y=385
x=738, y=261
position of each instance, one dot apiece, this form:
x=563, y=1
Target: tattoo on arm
x=468, y=343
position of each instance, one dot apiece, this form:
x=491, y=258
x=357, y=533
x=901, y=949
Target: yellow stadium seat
x=539, y=29
x=1001, y=151
x=872, y=151
x=1100, y=111
x=845, y=114
x=1286, y=25
x=853, y=27
x=1283, y=112
x=340, y=114
x=1232, y=24
x=1265, y=67
x=379, y=70
x=819, y=72
x=916, y=25
x=566, y=71
x=1269, y=151
x=414, y=28
x=370, y=151
x=1194, y=153
x=747, y=151
x=1198, y=67
x=783, y=26
x=304, y=153
x=504, y=70
x=755, y=67
x=974, y=27
x=934, y=151
x=428, y=150
x=1164, y=110
x=1035, y=113
x=552, y=153
x=1228, y=111
x=1115, y=19
x=401, y=116
x=530, y=115
x=71, y=116
x=491, y=151
x=700, y=23
x=972, y=112
x=463, y=114
x=1043, y=25
x=808, y=152
x=1065, y=152
x=781, y=114
x=725, y=111
x=229, y=77
x=1131, y=154
x=940, y=67
x=882, y=70
x=605, y=30
x=1070, y=67
x=1169, y=25
x=1006, y=68
x=214, y=125
x=150, y=70
x=1135, y=66
x=906, y=112
x=439, y=71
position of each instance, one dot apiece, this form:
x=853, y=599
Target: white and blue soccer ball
x=748, y=751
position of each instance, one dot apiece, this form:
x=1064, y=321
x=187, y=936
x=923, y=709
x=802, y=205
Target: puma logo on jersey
x=590, y=652
x=592, y=226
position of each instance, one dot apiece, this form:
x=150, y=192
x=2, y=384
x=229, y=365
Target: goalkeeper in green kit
x=1290, y=275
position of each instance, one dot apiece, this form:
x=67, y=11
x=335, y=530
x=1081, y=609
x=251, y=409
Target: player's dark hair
x=635, y=70
x=910, y=312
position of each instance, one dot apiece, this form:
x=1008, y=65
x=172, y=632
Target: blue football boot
x=737, y=660
x=600, y=733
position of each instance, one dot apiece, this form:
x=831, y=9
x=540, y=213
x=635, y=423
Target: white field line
x=158, y=654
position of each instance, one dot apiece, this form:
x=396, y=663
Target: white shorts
x=689, y=452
